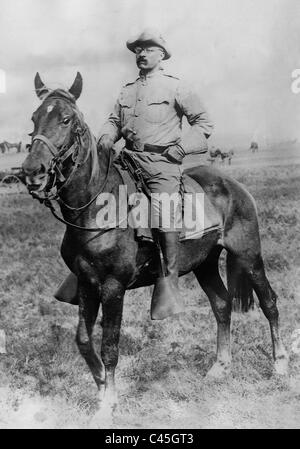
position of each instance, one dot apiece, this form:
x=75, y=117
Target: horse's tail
x=239, y=285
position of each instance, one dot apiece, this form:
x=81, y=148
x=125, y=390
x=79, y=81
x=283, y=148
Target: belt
x=148, y=147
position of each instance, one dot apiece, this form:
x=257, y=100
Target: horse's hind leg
x=254, y=268
x=209, y=278
x=88, y=309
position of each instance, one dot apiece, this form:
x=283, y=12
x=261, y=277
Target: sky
x=238, y=54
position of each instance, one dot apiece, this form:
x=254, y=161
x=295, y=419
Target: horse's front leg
x=89, y=300
x=112, y=307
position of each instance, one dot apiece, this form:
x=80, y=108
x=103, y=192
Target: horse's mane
x=92, y=147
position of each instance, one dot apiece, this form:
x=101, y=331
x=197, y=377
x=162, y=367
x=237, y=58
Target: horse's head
x=56, y=122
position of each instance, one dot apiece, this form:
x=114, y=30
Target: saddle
x=203, y=217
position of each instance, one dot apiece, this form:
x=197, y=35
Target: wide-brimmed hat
x=149, y=37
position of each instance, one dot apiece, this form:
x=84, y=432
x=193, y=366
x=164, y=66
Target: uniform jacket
x=150, y=111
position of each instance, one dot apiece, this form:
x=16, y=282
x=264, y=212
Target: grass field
x=161, y=373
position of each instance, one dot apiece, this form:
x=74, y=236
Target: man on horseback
x=148, y=115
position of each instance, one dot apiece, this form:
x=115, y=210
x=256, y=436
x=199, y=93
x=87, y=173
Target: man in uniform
x=148, y=115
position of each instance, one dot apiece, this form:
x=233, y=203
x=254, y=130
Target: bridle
x=55, y=175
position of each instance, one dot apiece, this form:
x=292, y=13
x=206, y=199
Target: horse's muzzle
x=37, y=182
x=36, y=178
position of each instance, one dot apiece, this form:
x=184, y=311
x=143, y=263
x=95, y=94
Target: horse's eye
x=30, y=134
x=66, y=120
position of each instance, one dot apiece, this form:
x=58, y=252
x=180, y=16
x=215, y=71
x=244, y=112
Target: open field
x=161, y=373
x=264, y=157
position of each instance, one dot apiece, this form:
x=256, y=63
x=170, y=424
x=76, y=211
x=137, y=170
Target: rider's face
x=148, y=57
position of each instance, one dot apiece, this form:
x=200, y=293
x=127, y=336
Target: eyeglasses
x=147, y=50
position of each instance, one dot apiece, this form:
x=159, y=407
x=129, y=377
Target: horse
x=220, y=156
x=3, y=147
x=214, y=155
x=253, y=147
x=227, y=155
x=6, y=146
x=64, y=164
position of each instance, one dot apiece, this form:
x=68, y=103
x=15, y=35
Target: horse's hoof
x=219, y=371
x=281, y=366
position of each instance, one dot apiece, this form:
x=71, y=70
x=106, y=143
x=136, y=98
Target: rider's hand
x=105, y=143
x=174, y=153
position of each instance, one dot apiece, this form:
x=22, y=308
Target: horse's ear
x=76, y=87
x=40, y=87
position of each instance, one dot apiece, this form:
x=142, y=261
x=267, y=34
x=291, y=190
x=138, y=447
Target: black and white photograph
x=149, y=216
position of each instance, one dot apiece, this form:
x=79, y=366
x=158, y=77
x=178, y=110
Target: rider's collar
x=144, y=76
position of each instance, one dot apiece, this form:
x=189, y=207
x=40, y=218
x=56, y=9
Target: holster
x=129, y=163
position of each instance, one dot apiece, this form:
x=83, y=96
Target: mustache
x=142, y=59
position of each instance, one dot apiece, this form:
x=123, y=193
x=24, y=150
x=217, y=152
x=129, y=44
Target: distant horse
x=222, y=156
x=215, y=155
x=227, y=155
x=64, y=156
x=3, y=147
x=254, y=147
x=6, y=146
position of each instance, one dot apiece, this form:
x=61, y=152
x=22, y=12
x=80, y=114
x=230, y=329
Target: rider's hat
x=149, y=37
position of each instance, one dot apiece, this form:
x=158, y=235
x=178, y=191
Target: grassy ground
x=161, y=373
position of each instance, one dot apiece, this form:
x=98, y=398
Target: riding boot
x=67, y=291
x=165, y=298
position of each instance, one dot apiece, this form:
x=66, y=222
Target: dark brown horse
x=64, y=157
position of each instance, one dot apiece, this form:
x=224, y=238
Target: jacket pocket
x=127, y=105
x=158, y=107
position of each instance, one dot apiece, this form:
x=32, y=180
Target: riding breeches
x=164, y=180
